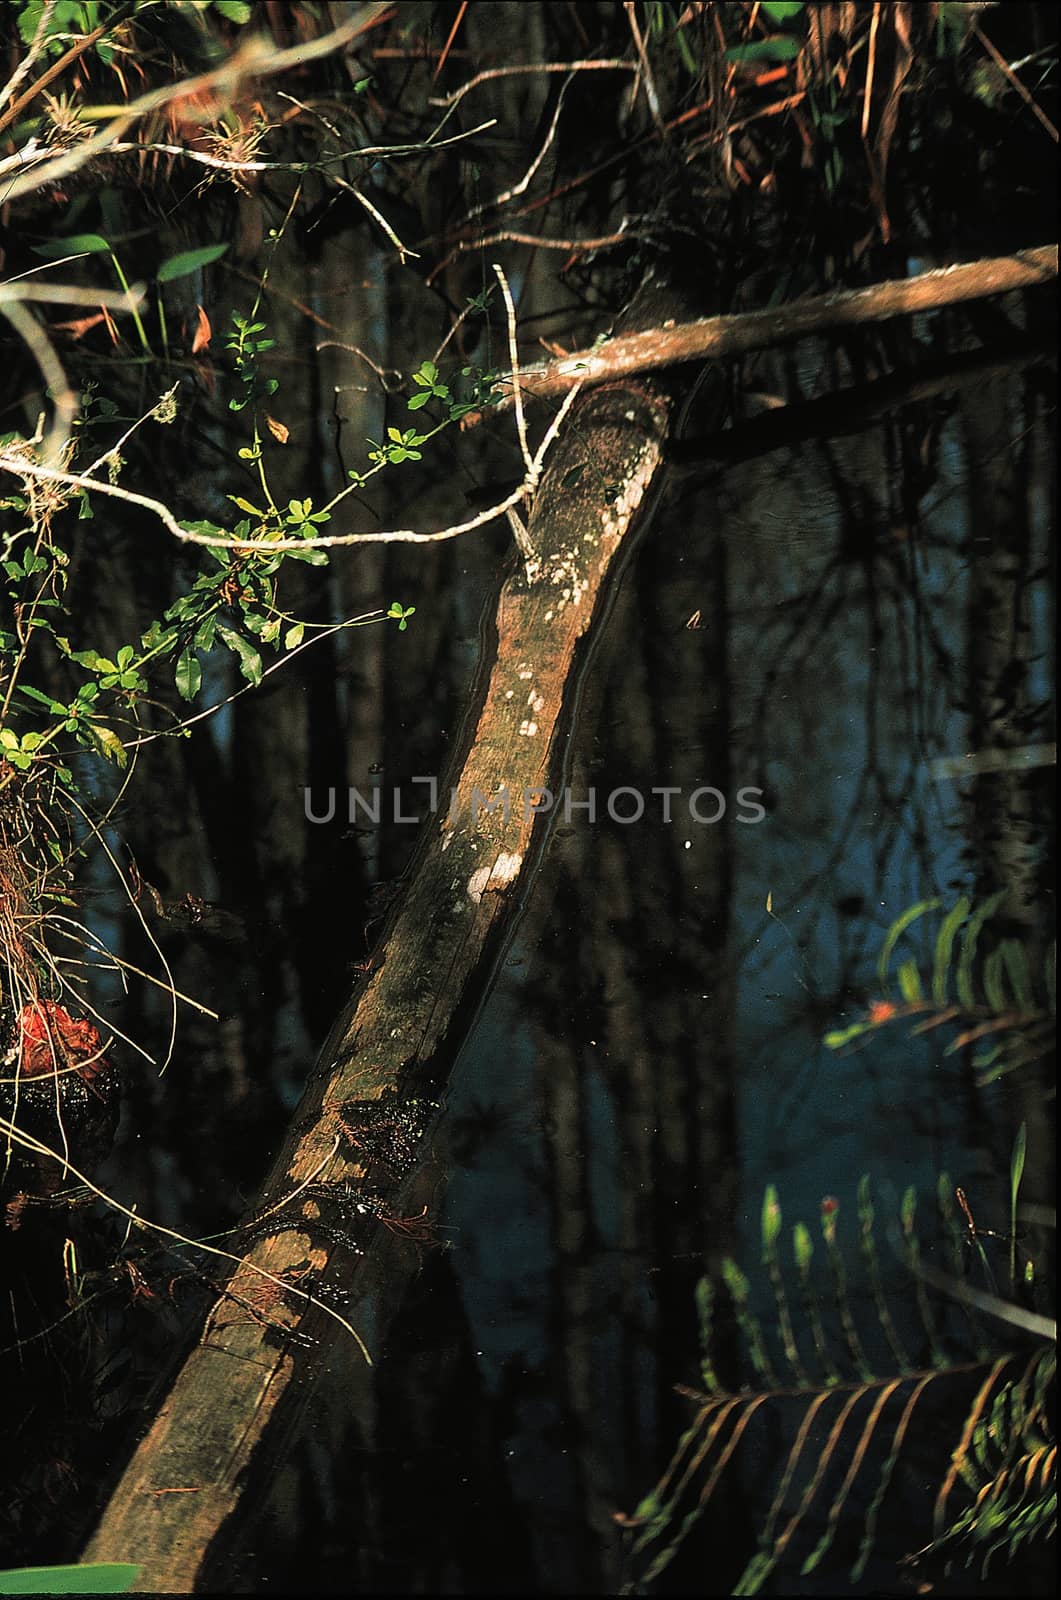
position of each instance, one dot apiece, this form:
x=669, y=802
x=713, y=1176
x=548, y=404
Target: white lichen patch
x=504, y=870
x=535, y=700
x=617, y=517
x=528, y=729
x=524, y=673
x=448, y=838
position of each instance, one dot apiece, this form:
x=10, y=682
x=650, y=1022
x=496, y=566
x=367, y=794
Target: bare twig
x=33, y=155
x=513, y=356
x=15, y=464
x=646, y=70
x=536, y=241
x=491, y=73
x=523, y=184
x=50, y=367
x=65, y=294
x=403, y=249
x=458, y=19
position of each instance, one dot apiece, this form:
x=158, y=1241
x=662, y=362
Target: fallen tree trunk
x=714, y=338
x=359, y=1130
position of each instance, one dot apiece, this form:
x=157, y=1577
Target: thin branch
x=645, y=74
x=491, y=73
x=513, y=356
x=403, y=249
x=523, y=184
x=15, y=290
x=50, y=367
x=31, y=469
x=536, y=242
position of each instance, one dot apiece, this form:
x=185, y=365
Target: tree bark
x=361, y=1124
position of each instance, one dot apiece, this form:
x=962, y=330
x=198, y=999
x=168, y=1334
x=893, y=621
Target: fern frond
x=1008, y=1467
x=996, y=997
x=846, y=1434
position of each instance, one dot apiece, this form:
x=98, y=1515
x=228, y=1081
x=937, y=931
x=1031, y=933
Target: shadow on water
x=820, y=700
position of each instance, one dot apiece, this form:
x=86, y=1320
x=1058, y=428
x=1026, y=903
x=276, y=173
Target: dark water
x=651, y=1054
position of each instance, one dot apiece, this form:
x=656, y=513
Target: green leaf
x=944, y=946
x=237, y=11
x=993, y=988
x=970, y=935
x=204, y=634
x=189, y=675
x=42, y=699
x=781, y=47
x=109, y=744
x=293, y=636
x=89, y=244
x=93, y=1577
x=771, y=1219
x=1016, y=1174
x=419, y=400
x=841, y=1036
x=1016, y=962
x=250, y=662
x=910, y=983
x=189, y=261
x=782, y=10
x=895, y=933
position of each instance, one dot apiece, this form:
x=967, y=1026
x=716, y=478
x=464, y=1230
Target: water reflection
x=651, y=1054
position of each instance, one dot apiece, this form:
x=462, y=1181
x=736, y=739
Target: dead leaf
x=202, y=332
x=80, y=325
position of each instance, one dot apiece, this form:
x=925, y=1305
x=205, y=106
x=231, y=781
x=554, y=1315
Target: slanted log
x=221, y=1433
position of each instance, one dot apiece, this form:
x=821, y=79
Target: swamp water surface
x=854, y=632
x=835, y=659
